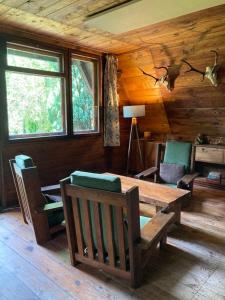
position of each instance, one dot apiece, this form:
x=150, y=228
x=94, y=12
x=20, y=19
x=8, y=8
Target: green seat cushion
x=144, y=221
x=96, y=181
x=174, y=186
x=178, y=153
x=24, y=161
x=55, y=217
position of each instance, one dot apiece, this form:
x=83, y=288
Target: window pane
x=32, y=60
x=85, y=110
x=34, y=104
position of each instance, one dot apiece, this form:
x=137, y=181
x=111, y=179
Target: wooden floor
x=191, y=267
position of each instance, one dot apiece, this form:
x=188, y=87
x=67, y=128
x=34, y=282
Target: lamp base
x=133, y=128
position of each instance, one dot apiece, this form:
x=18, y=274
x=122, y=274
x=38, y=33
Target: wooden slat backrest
x=109, y=234
x=28, y=190
x=108, y=208
x=11, y=162
x=99, y=235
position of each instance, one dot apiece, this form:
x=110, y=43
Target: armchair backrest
x=103, y=226
x=27, y=185
x=178, y=153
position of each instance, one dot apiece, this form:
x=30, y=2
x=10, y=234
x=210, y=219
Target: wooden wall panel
x=134, y=88
x=140, y=89
x=194, y=106
x=55, y=159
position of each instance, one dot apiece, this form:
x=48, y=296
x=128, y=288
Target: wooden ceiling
x=63, y=22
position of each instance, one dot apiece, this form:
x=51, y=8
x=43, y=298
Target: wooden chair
x=176, y=153
x=104, y=230
x=45, y=217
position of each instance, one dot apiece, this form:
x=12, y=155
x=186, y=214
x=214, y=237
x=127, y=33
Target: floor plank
x=192, y=266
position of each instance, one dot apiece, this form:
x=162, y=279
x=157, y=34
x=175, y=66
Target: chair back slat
x=121, y=237
x=99, y=234
x=23, y=198
x=78, y=225
x=109, y=234
x=88, y=231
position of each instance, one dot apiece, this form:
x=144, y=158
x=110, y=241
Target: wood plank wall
x=193, y=106
x=55, y=159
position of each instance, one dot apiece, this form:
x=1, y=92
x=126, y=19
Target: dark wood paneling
x=55, y=159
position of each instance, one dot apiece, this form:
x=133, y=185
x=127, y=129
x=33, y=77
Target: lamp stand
x=134, y=128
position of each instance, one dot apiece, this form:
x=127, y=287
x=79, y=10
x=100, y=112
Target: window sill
x=52, y=138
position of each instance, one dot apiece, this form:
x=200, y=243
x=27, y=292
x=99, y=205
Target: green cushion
x=24, y=161
x=96, y=181
x=178, y=153
x=55, y=217
x=174, y=186
x=144, y=221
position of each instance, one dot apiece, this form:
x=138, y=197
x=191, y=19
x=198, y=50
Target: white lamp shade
x=134, y=111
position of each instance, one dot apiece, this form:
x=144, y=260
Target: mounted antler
x=164, y=79
x=216, y=59
x=193, y=69
x=156, y=79
x=210, y=72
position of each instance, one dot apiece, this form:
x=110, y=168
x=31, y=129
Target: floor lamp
x=134, y=111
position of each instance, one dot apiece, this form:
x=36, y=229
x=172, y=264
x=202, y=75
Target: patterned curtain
x=111, y=103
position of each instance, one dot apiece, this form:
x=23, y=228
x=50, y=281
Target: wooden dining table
x=158, y=195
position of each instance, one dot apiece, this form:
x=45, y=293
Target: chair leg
x=41, y=229
x=136, y=281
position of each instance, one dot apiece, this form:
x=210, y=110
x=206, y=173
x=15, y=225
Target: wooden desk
x=157, y=194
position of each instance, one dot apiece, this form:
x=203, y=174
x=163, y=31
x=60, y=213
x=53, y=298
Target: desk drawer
x=212, y=155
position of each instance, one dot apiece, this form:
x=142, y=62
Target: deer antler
x=167, y=71
x=216, y=59
x=156, y=79
x=193, y=69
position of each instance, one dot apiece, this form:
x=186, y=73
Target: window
x=85, y=94
x=35, y=92
x=49, y=92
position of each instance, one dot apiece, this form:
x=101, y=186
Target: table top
x=153, y=193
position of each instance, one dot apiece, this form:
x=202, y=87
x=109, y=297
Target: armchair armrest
x=51, y=188
x=155, y=229
x=146, y=173
x=146, y=209
x=187, y=179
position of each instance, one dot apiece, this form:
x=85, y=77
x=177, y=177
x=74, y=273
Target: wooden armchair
x=104, y=228
x=45, y=216
x=174, y=156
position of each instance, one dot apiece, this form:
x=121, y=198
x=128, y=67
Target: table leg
x=175, y=208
